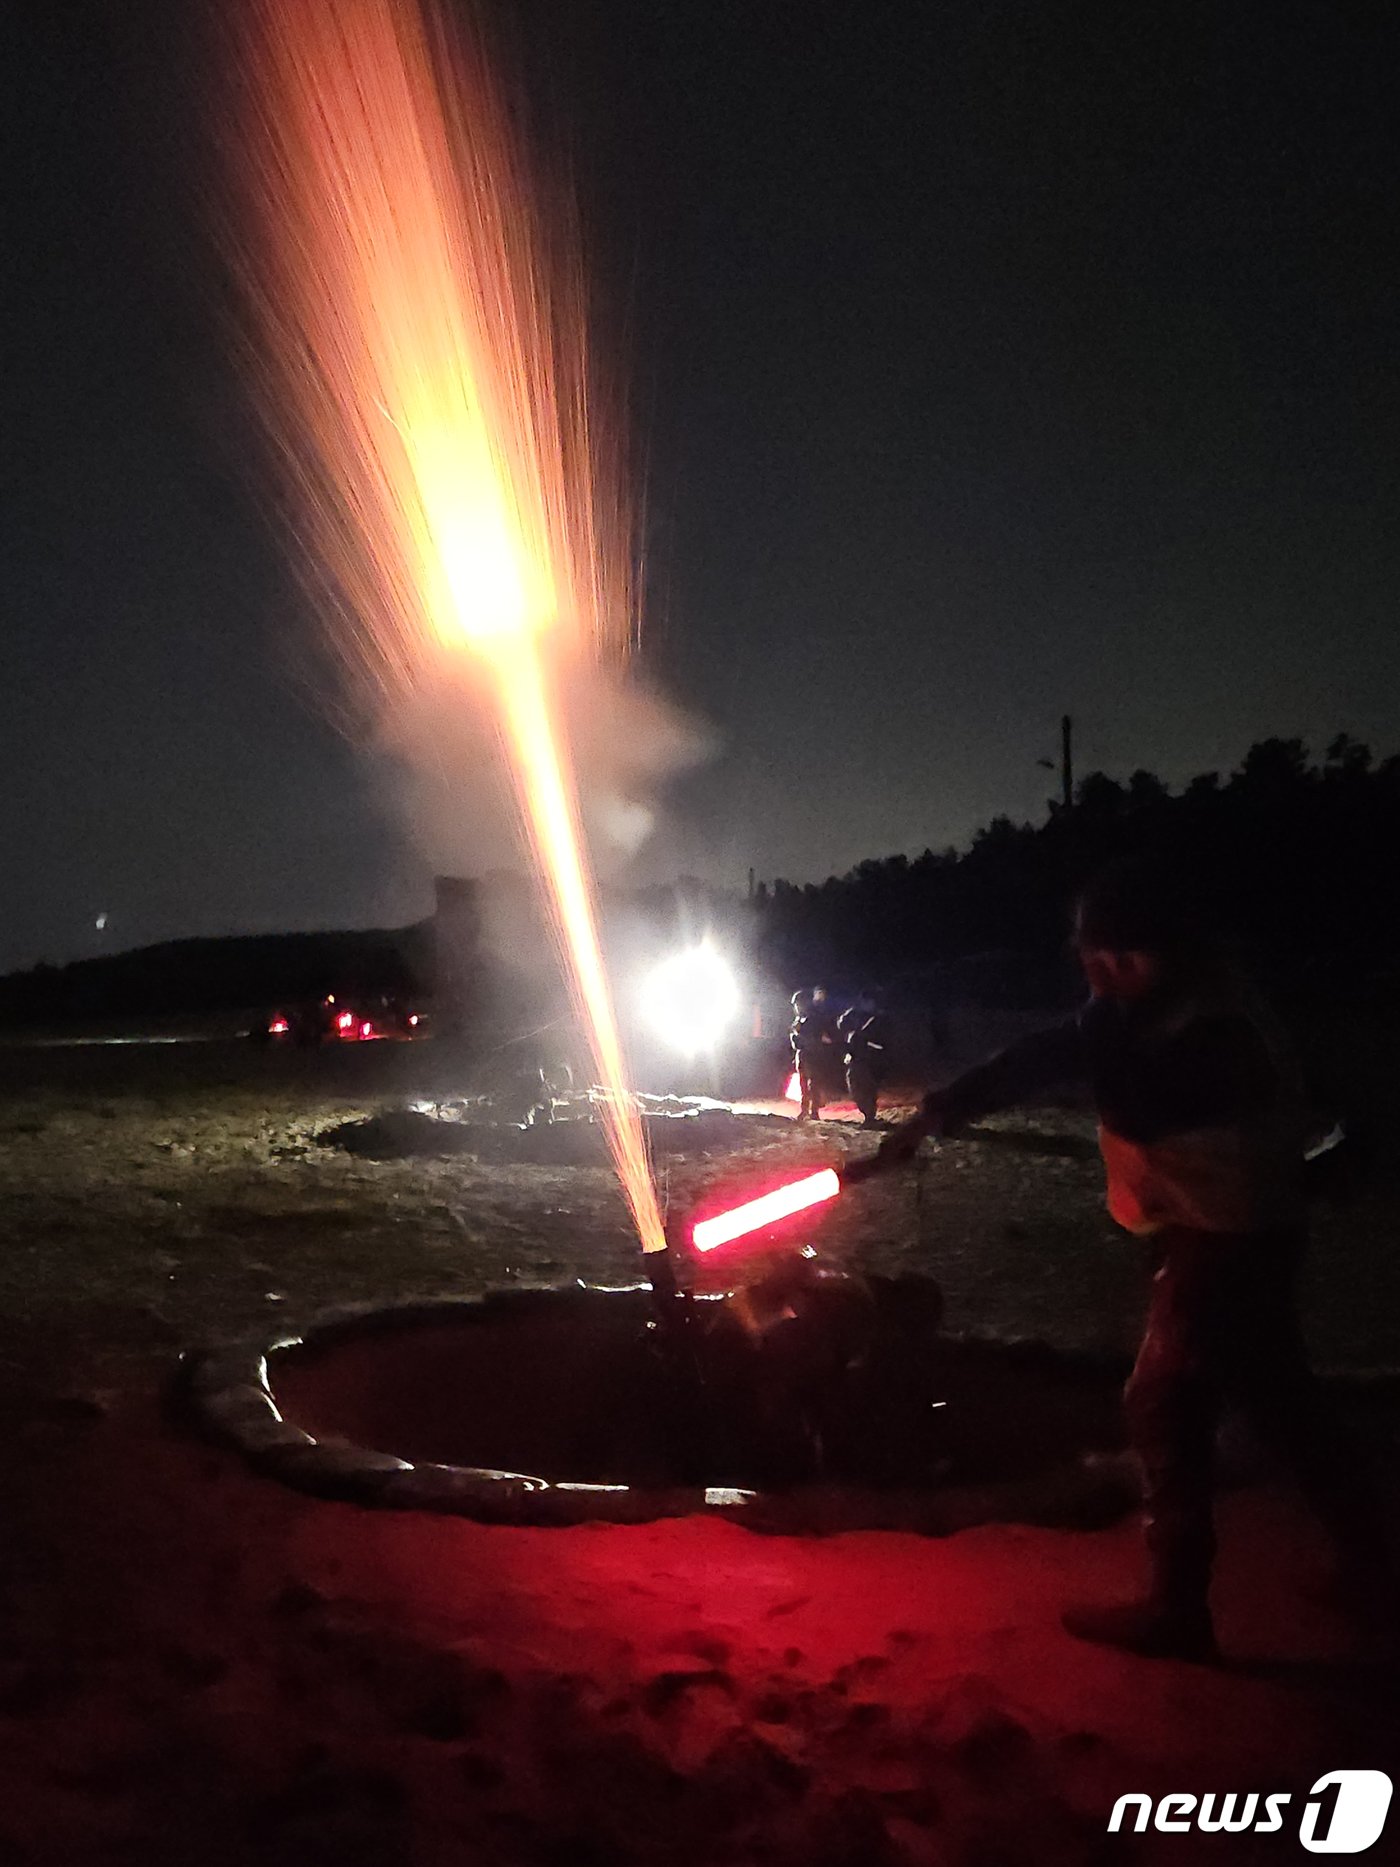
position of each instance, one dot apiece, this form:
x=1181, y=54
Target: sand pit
x=572, y=1405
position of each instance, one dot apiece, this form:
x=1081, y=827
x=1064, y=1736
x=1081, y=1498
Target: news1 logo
x=1344, y=1813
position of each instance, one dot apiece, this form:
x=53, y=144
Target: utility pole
x=1067, y=761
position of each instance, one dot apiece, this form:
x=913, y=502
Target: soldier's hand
x=937, y=1116
x=901, y=1144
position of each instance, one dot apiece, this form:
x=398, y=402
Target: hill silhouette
x=198, y=978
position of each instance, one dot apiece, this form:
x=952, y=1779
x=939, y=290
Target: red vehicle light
x=278, y=1027
x=345, y=1020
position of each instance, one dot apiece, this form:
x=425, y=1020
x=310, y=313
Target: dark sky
x=988, y=361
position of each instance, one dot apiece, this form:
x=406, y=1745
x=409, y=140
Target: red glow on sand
x=781, y=1203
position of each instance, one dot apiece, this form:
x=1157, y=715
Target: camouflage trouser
x=863, y=1085
x=1222, y=1327
x=810, y=1082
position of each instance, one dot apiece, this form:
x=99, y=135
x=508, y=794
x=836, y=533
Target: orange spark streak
x=425, y=376
x=555, y=829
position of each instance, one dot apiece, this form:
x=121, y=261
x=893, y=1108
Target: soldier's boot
x=1174, y=1621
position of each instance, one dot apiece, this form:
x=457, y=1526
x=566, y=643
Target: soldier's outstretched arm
x=1023, y=1070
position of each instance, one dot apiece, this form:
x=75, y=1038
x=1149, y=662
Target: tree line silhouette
x=1296, y=860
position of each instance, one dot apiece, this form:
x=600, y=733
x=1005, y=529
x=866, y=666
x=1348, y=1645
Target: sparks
x=757, y=1214
x=428, y=386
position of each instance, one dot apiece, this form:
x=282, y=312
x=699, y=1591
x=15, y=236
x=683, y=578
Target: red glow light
x=366, y=1030
x=345, y=1020
x=781, y=1203
x=793, y=1092
x=278, y=1026
x=413, y=1017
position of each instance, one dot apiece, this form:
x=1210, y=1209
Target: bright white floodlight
x=690, y=1000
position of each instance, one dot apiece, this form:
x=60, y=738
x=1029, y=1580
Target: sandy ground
x=155, y=1196
x=199, y=1667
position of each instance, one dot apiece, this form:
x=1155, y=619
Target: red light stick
x=781, y=1203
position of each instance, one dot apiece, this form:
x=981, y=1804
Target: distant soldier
x=865, y=1035
x=829, y=1051
x=810, y=1037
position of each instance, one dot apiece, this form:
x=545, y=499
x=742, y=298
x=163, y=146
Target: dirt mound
x=572, y=1141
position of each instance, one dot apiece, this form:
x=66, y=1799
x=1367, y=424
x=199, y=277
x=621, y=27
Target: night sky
x=987, y=361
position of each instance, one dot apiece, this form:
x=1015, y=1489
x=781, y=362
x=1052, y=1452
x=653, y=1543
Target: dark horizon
x=984, y=368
